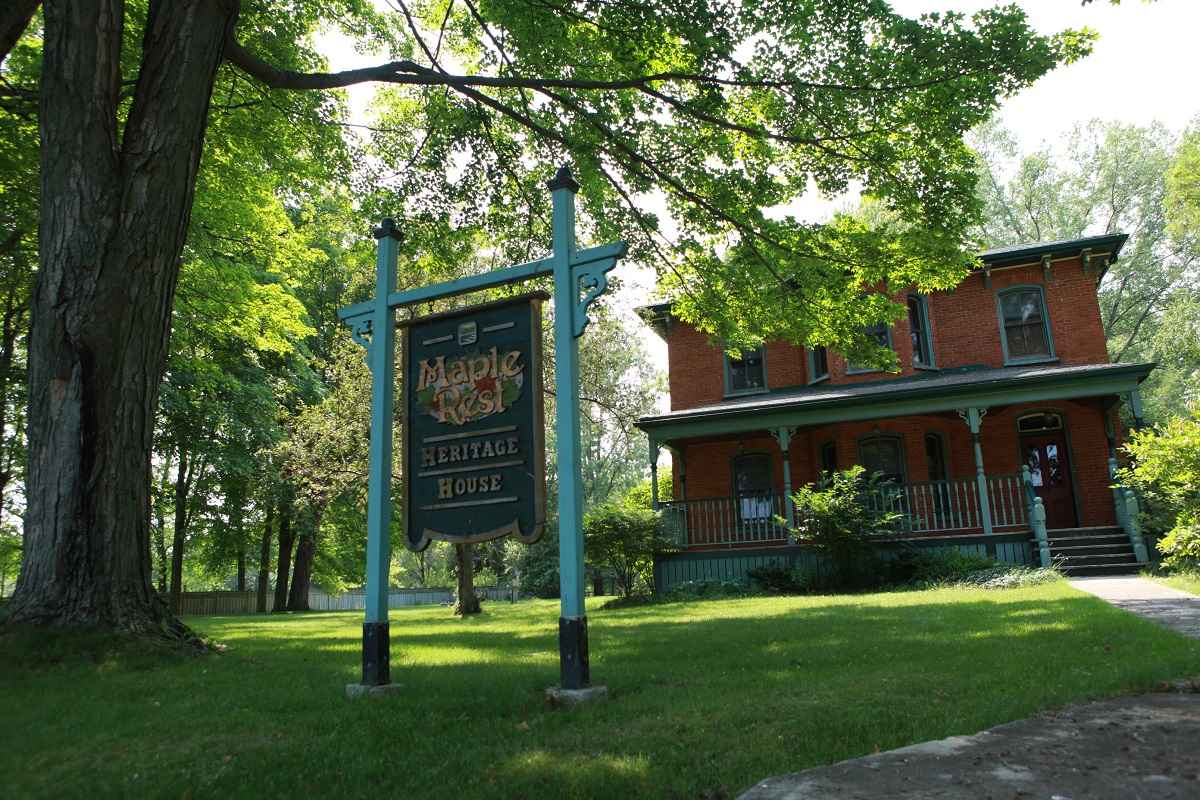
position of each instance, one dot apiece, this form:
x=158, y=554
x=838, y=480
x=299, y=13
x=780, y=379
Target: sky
x=1143, y=67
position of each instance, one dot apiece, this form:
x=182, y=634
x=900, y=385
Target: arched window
x=883, y=453
x=827, y=456
x=935, y=456
x=753, y=485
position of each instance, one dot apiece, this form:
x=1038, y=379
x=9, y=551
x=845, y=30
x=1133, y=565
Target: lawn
x=1187, y=580
x=708, y=697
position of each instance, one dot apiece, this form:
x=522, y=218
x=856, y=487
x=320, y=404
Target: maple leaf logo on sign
x=458, y=389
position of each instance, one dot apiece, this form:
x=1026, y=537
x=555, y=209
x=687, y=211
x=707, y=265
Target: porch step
x=1093, y=551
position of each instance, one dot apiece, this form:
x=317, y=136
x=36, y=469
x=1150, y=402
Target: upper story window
x=1024, y=325
x=818, y=363
x=881, y=334
x=745, y=371
x=918, y=324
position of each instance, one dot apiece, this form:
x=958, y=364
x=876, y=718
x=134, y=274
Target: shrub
x=778, y=579
x=1166, y=468
x=845, y=516
x=623, y=540
x=923, y=567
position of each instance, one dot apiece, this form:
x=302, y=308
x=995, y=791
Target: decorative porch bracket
x=1134, y=399
x=580, y=276
x=784, y=435
x=973, y=417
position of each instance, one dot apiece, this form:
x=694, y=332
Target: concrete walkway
x=1143, y=746
x=1169, y=607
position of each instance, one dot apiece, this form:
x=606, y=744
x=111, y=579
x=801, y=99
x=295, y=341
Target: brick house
x=1005, y=401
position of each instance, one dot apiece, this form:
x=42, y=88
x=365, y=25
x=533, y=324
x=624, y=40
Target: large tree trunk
x=264, y=560
x=467, y=602
x=306, y=550
x=283, y=567
x=115, y=202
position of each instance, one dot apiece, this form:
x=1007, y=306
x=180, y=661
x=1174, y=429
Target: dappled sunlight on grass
x=707, y=697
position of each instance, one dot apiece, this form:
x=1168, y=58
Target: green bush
x=923, y=567
x=778, y=579
x=622, y=540
x=1166, y=469
x=845, y=517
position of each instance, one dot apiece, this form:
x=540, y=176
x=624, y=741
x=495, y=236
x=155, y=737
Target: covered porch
x=972, y=452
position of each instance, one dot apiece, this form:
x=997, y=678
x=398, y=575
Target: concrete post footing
x=362, y=690
x=570, y=698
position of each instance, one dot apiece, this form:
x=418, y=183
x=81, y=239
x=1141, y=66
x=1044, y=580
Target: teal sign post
x=579, y=277
x=474, y=431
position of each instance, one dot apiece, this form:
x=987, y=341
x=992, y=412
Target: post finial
x=388, y=228
x=563, y=179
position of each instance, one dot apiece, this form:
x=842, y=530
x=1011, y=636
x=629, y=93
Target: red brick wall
x=709, y=465
x=965, y=330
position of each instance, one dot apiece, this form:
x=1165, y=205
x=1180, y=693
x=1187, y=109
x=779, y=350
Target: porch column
x=1135, y=405
x=973, y=417
x=1111, y=434
x=681, y=467
x=654, y=473
x=784, y=435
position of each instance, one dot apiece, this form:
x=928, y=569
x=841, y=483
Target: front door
x=1046, y=456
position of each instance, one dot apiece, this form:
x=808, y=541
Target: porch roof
x=928, y=392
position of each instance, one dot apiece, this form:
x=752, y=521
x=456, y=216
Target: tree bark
x=283, y=567
x=115, y=203
x=14, y=19
x=264, y=561
x=183, y=486
x=467, y=602
x=306, y=550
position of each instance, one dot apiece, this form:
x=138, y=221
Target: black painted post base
x=376, y=653
x=573, y=652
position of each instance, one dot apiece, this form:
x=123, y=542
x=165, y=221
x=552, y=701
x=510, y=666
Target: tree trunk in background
x=264, y=561
x=183, y=488
x=115, y=203
x=306, y=550
x=467, y=602
x=283, y=567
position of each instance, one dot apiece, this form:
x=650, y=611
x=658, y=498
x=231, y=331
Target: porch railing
x=930, y=507
x=726, y=521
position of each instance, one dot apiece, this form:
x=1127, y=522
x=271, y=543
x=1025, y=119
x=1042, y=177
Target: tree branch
x=15, y=16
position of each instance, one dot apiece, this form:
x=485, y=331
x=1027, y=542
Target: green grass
x=1188, y=580
x=707, y=697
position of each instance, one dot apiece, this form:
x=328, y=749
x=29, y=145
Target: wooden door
x=1046, y=456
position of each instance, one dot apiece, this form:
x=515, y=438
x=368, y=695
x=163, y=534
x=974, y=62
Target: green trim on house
x=925, y=393
x=1103, y=249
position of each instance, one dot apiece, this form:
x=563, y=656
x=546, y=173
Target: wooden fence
x=203, y=604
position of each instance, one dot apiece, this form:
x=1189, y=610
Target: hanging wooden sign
x=473, y=437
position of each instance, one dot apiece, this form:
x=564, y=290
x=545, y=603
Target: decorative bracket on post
x=593, y=279
x=360, y=332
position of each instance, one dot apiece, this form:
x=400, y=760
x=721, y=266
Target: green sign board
x=474, y=436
